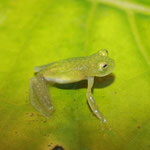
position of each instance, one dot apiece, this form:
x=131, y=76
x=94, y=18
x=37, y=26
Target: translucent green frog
x=68, y=71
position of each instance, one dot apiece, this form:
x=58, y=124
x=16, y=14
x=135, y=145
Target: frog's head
x=106, y=64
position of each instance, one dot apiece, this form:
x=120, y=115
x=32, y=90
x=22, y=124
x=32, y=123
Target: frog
x=68, y=71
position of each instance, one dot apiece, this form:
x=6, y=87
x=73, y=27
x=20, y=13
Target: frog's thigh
x=92, y=102
x=40, y=97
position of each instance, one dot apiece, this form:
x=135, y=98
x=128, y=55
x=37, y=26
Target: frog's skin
x=68, y=71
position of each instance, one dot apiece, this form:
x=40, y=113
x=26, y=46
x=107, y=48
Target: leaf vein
x=136, y=36
x=127, y=5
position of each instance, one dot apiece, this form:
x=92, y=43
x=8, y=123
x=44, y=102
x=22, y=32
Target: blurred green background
x=37, y=32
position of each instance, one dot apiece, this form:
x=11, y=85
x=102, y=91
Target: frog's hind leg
x=40, y=97
x=39, y=68
x=92, y=102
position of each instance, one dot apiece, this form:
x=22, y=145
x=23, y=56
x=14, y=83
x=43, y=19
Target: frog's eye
x=103, y=52
x=103, y=66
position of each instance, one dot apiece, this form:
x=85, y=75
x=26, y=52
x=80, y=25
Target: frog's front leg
x=91, y=100
x=39, y=96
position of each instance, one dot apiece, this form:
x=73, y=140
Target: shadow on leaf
x=99, y=82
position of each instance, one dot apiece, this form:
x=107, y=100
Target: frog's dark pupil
x=105, y=66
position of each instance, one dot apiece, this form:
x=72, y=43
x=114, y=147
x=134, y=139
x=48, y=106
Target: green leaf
x=35, y=33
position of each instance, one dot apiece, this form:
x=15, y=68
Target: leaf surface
x=34, y=33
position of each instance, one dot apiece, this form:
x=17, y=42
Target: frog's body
x=68, y=71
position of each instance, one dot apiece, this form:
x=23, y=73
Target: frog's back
x=69, y=70
x=69, y=64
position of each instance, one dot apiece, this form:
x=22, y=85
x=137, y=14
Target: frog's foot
x=94, y=108
x=92, y=102
x=40, y=97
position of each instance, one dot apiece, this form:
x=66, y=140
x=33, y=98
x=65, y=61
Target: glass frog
x=69, y=71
